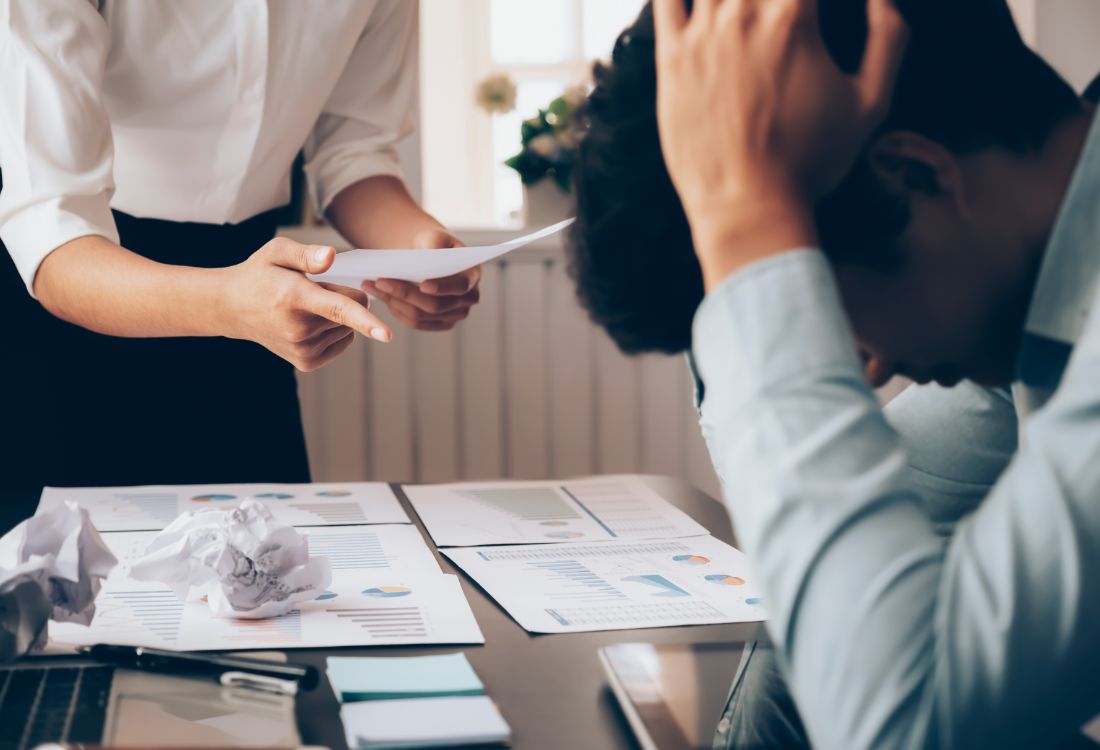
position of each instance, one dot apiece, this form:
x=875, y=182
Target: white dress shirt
x=891, y=635
x=191, y=110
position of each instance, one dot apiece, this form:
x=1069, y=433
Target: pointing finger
x=343, y=311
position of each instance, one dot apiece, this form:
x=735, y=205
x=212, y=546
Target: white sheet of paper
x=352, y=267
x=356, y=610
x=597, y=508
x=151, y=508
x=387, y=588
x=423, y=722
x=398, y=549
x=579, y=587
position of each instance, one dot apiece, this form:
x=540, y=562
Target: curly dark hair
x=968, y=82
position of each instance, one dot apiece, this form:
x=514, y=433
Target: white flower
x=568, y=138
x=575, y=96
x=544, y=145
x=496, y=94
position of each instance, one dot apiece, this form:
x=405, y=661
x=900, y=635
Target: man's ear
x=912, y=165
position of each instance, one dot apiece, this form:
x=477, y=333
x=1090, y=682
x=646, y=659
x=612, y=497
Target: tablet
x=673, y=695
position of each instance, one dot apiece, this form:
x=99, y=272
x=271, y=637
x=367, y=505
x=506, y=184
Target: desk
x=550, y=688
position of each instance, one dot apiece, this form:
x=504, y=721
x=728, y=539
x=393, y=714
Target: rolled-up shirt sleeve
x=891, y=635
x=371, y=108
x=55, y=136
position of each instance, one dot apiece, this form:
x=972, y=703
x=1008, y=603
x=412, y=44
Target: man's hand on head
x=757, y=122
x=436, y=304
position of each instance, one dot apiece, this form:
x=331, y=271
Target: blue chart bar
x=161, y=506
x=578, y=583
x=159, y=612
x=350, y=551
x=663, y=586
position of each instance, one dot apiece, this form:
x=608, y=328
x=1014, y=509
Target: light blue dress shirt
x=892, y=634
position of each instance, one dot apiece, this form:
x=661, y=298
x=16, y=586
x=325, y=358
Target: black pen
x=216, y=666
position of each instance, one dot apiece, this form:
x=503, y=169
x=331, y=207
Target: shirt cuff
x=35, y=231
x=776, y=319
x=332, y=173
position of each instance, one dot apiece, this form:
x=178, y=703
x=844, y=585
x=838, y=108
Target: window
x=545, y=46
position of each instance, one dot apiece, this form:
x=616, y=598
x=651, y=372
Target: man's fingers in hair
x=669, y=18
x=703, y=11
x=887, y=38
x=339, y=309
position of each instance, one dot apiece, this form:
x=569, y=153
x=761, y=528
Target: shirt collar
x=1070, y=269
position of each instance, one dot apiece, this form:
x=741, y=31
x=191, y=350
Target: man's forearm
x=98, y=285
x=378, y=212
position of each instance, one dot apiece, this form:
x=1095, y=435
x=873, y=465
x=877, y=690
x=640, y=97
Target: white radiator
x=525, y=388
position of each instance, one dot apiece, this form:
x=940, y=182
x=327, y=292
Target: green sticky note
x=367, y=678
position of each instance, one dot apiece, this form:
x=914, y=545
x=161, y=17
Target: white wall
x=1066, y=33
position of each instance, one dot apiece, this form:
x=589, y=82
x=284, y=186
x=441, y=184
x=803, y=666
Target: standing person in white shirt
x=151, y=320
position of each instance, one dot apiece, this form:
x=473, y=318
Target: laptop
x=79, y=701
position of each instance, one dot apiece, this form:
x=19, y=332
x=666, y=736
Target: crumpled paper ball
x=51, y=567
x=246, y=564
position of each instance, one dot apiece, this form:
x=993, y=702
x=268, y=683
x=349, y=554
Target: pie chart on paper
x=387, y=592
x=691, y=559
x=213, y=498
x=724, y=580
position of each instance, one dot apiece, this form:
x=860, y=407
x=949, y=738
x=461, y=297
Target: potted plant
x=548, y=148
x=545, y=161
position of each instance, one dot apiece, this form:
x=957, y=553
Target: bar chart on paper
x=431, y=610
x=153, y=508
x=130, y=613
x=595, y=509
x=387, y=588
x=371, y=548
x=616, y=585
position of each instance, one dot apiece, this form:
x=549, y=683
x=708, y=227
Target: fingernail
x=384, y=286
x=380, y=334
x=320, y=255
x=429, y=287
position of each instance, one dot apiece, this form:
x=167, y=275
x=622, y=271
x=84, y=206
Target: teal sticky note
x=365, y=678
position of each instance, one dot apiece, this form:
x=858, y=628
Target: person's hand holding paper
x=427, y=288
x=432, y=305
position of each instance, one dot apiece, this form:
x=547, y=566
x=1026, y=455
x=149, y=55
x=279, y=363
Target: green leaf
x=561, y=111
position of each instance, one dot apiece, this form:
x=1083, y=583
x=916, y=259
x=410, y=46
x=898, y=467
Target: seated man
x=956, y=216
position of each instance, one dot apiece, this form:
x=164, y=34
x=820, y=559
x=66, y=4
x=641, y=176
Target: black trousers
x=83, y=409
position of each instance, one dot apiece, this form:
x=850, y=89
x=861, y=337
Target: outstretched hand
x=436, y=304
x=269, y=300
x=757, y=122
